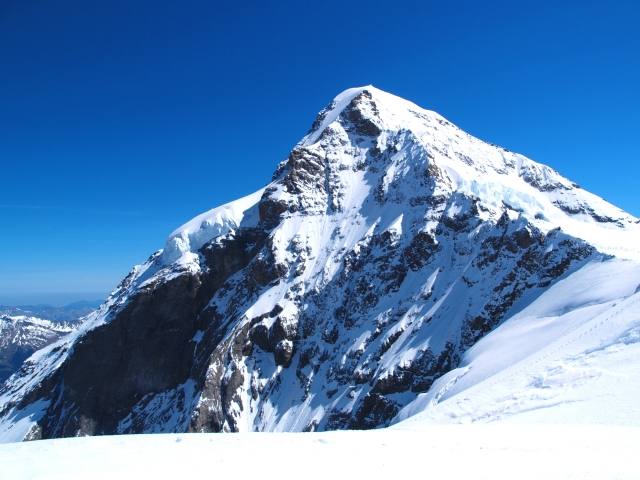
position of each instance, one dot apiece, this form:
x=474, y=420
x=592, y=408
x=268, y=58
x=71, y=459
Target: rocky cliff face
x=386, y=245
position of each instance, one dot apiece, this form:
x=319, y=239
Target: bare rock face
x=146, y=348
x=283, y=352
x=387, y=244
x=261, y=337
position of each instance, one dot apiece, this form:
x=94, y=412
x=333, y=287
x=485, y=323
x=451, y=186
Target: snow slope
x=487, y=451
x=571, y=356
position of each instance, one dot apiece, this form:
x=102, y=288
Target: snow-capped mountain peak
x=385, y=247
x=477, y=169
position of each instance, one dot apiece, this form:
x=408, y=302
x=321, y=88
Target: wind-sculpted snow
x=387, y=245
x=193, y=235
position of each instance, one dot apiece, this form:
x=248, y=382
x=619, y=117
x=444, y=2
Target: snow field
x=478, y=451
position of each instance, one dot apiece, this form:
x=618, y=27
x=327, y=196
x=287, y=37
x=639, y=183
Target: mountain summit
x=386, y=246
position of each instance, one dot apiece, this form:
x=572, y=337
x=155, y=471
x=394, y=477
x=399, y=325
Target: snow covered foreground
x=571, y=356
x=478, y=451
x=567, y=361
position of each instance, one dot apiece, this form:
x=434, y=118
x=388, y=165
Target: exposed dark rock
x=386, y=345
x=247, y=348
x=284, y=329
x=426, y=367
x=283, y=352
x=338, y=420
x=395, y=382
x=362, y=376
x=374, y=411
x=143, y=349
x=331, y=336
x=265, y=270
x=271, y=210
x=523, y=238
x=276, y=310
x=420, y=250
x=357, y=122
x=260, y=336
x=568, y=208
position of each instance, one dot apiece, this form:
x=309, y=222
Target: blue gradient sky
x=121, y=120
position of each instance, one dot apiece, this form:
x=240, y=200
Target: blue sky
x=121, y=120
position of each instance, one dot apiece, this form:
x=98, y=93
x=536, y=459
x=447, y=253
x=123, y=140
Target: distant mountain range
x=70, y=312
x=25, y=329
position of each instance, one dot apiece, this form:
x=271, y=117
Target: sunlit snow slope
x=394, y=265
x=571, y=356
x=484, y=451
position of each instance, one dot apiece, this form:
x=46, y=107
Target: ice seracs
x=190, y=237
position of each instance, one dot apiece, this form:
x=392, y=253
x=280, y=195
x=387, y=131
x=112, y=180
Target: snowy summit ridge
x=353, y=291
x=534, y=190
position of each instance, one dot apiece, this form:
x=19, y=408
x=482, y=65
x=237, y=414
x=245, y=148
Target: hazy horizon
x=50, y=298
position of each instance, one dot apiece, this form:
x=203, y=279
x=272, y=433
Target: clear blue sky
x=121, y=120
